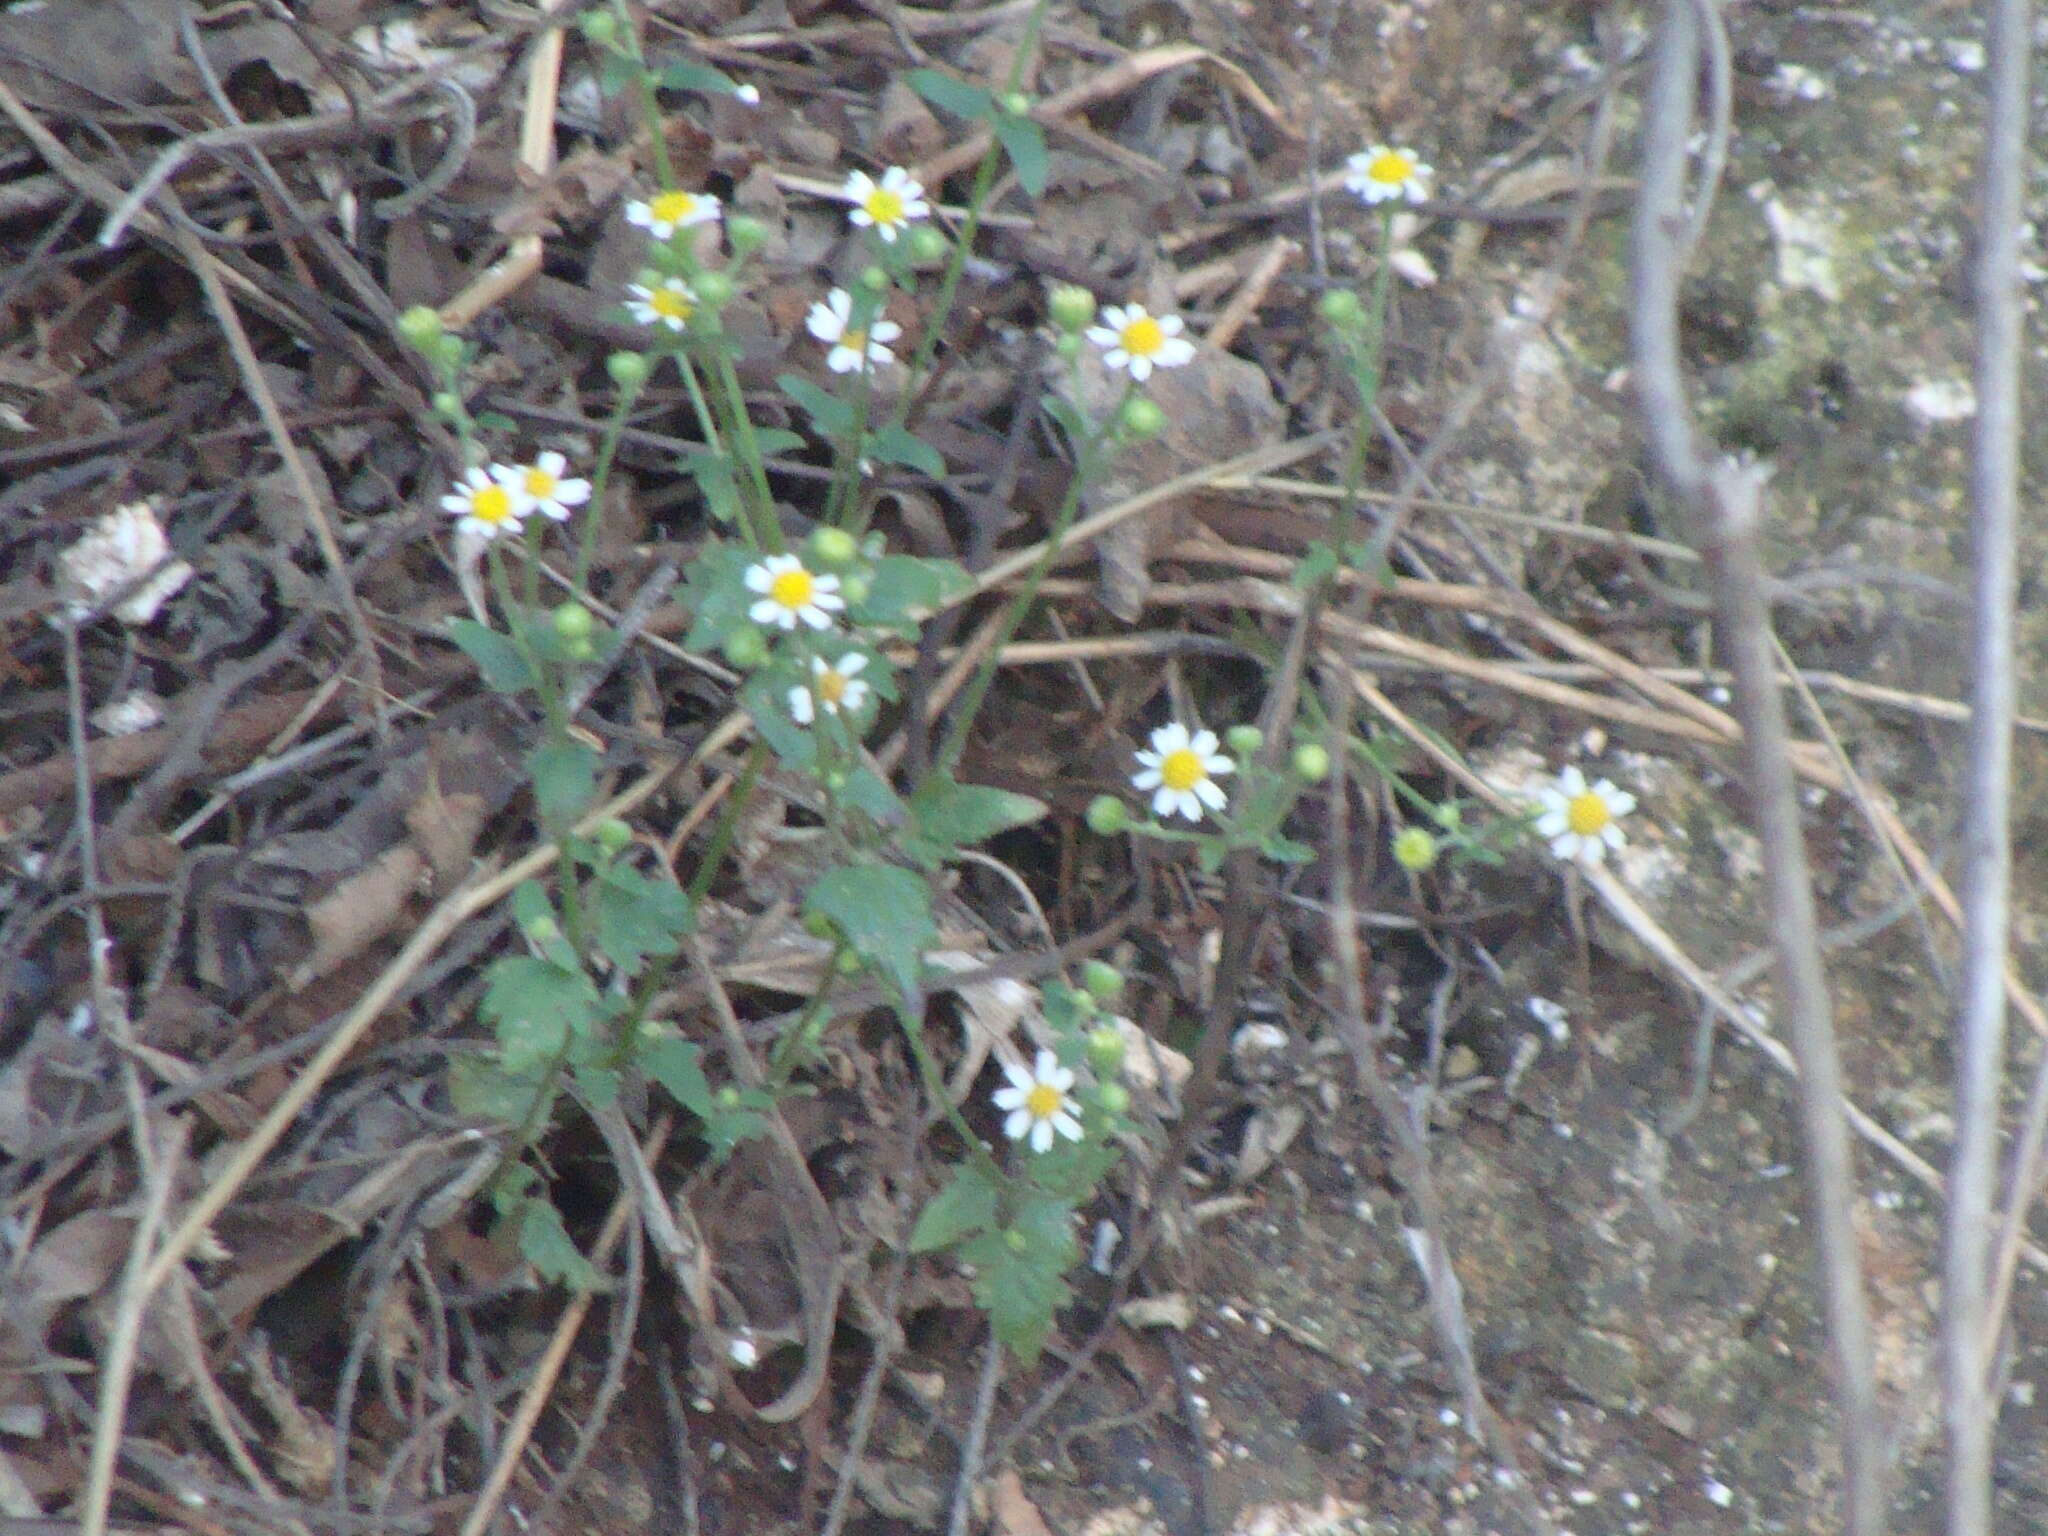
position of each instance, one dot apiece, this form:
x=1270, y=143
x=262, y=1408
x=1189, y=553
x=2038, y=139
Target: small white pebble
x=1197, y=1375
x=1200, y=1404
x=1564, y=1130
x=1718, y=1493
x=1262, y=1327
x=1630, y=1499
x=786, y=1462
x=743, y=1351
x=1583, y=1496
x=2022, y=1393
x=1447, y=1415
x=1228, y=1313
x=748, y=95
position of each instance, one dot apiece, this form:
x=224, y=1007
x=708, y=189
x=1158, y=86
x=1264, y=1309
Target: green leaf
x=903, y=590
x=504, y=669
x=884, y=912
x=639, y=915
x=766, y=697
x=1020, y=1275
x=1285, y=850
x=618, y=73
x=536, y=1006
x=965, y=1206
x=1024, y=142
x=869, y=793
x=715, y=592
x=714, y=476
x=564, y=775
x=1071, y=418
x=482, y=1090
x=701, y=78
x=545, y=1244
x=950, y=816
x=773, y=440
x=676, y=1064
x=532, y=910
x=600, y=1084
x=832, y=415
x=950, y=95
x=895, y=445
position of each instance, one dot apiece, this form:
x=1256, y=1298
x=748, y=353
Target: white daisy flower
x=666, y=212
x=790, y=594
x=669, y=302
x=831, y=321
x=488, y=502
x=1181, y=770
x=1039, y=1103
x=887, y=206
x=1381, y=173
x=1580, y=822
x=547, y=491
x=834, y=687
x=1137, y=342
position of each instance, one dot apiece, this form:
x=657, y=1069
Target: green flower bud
x=874, y=279
x=1244, y=740
x=746, y=648
x=447, y=404
x=847, y=963
x=1415, y=849
x=1108, y=815
x=819, y=926
x=1067, y=346
x=629, y=370
x=445, y=351
x=420, y=326
x=1106, y=1050
x=833, y=549
x=600, y=27
x=727, y=1098
x=1016, y=103
x=1019, y=1242
x=1342, y=309
x=614, y=836
x=1070, y=308
x=544, y=930
x=583, y=648
x=835, y=780
x=1115, y=1099
x=574, y=622
x=746, y=233
x=929, y=247
x=1141, y=417
x=1448, y=816
x=1103, y=981
x=714, y=289
x=855, y=587
x=1312, y=762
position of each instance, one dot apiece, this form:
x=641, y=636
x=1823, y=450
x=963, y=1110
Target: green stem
x=643, y=89
x=935, y=1085
x=600, y=476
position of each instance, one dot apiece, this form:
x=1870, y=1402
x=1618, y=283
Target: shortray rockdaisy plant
x=669, y=302
x=853, y=349
x=886, y=206
x=1138, y=342
x=1181, y=772
x=1039, y=1102
x=833, y=688
x=666, y=212
x=1381, y=173
x=488, y=502
x=1579, y=820
x=549, y=490
x=791, y=595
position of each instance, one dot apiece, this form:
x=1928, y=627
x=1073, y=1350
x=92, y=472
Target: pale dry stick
x=536, y=155
x=117, y=1366
x=548, y=1369
x=1625, y=909
x=483, y=892
x=1969, y=1327
x=862, y=1422
x=1251, y=293
x=208, y=270
x=1257, y=461
x=1406, y=1123
x=977, y=1437
x=1125, y=74
x=1723, y=503
x=918, y=23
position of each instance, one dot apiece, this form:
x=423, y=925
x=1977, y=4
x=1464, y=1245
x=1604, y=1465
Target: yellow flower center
x=491, y=504
x=1587, y=814
x=885, y=205
x=670, y=304
x=1044, y=1101
x=1391, y=168
x=792, y=589
x=1181, y=771
x=1143, y=336
x=672, y=207
x=830, y=685
x=853, y=340
x=540, y=484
